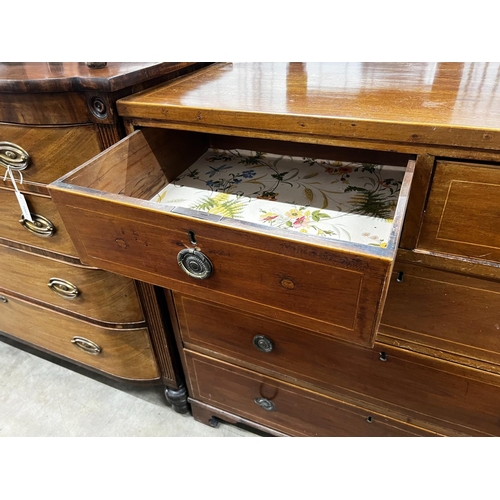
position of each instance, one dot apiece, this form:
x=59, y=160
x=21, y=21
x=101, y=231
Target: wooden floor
x=41, y=398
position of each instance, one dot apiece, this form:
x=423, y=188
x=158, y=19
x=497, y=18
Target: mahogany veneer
x=426, y=360
x=61, y=115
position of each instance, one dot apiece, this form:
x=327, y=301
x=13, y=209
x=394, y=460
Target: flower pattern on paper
x=300, y=218
x=340, y=200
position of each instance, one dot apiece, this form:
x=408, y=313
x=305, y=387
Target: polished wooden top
x=75, y=76
x=451, y=104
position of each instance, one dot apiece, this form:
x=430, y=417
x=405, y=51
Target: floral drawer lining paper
x=343, y=201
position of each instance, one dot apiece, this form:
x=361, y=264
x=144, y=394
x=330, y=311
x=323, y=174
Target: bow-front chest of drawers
x=53, y=118
x=325, y=235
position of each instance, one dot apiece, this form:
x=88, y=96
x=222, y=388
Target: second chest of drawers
x=54, y=117
x=49, y=299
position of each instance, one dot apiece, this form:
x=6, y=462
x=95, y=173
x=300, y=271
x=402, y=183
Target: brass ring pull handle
x=13, y=156
x=195, y=263
x=265, y=404
x=86, y=345
x=63, y=288
x=40, y=225
x=262, y=343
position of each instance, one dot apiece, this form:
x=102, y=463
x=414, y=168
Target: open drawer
x=308, y=238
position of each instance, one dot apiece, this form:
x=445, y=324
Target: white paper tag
x=20, y=197
x=24, y=206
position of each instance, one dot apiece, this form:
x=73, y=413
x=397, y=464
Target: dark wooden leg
x=162, y=339
x=204, y=416
x=177, y=398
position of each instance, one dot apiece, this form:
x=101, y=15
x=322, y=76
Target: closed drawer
x=125, y=354
x=50, y=234
x=285, y=407
x=103, y=297
x=425, y=388
x=453, y=314
x=52, y=151
x=294, y=269
x=462, y=215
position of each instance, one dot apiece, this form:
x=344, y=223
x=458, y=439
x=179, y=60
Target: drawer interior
x=332, y=285
x=337, y=193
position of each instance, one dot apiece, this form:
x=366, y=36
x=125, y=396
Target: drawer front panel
x=324, y=284
x=426, y=388
x=92, y=293
x=338, y=294
x=462, y=215
x=451, y=313
x=12, y=230
x=43, y=108
x=53, y=151
x=123, y=353
x=285, y=407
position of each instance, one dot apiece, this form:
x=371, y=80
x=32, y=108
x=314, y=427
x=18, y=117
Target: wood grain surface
x=434, y=360
x=11, y=229
x=452, y=313
x=53, y=152
x=443, y=104
x=462, y=215
x=421, y=387
x=125, y=353
x=25, y=77
x=44, y=109
x=105, y=298
x=296, y=411
x=137, y=238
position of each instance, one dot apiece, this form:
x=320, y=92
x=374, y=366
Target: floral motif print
x=376, y=197
x=221, y=204
x=345, y=201
x=375, y=240
x=300, y=218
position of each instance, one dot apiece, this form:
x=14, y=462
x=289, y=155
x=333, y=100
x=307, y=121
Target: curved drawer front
x=43, y=108
x=428, y=389
x=92, y=293
x=285, y=407
x=53, y=151
x=125, y=354
x=292, y=273
x=55, y=240
x=461, y=216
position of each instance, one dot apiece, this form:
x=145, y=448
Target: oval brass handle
x=13, y=156
x=40, y=226
x=265, y=404
x=262, y=343
x=63, y=288
x=86, y=345
x=195, y=263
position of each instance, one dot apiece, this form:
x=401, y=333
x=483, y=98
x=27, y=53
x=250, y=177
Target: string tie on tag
x=8, y=172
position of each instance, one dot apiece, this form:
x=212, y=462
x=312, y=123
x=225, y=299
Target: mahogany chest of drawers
x=325, y=239
x=54, y=117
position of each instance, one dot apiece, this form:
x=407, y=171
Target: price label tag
x=20, y=197
x=24, y=206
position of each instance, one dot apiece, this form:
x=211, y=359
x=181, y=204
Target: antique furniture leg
x=153, y=303
x=177, y=398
